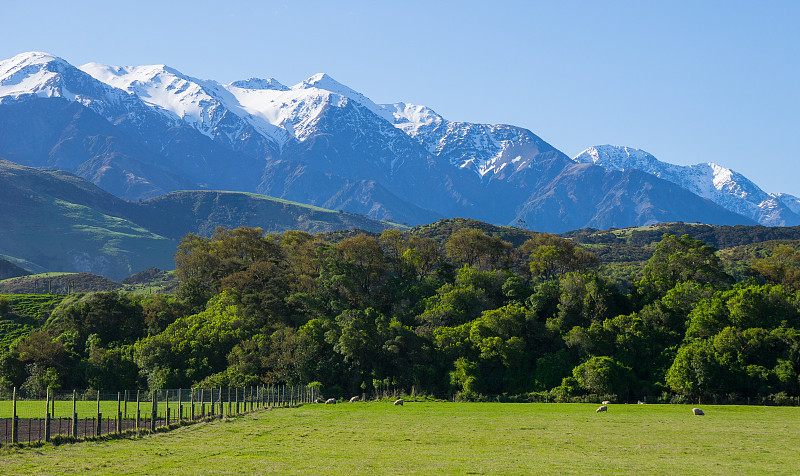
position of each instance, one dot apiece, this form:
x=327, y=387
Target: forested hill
x=719, y=237
x=471, y=314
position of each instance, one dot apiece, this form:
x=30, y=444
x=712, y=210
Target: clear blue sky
x=688, y=81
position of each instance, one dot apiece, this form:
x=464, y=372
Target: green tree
x=603, y=376
x=782, y=266
x=678, y=260
x=551, y=257
x=474, y=248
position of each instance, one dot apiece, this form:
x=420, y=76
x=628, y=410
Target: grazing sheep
x=641, y=402
x=330, y=401
x=602, y=408
x=606, y=402
x=697, y=411
x=355, y=399
x=399, y=401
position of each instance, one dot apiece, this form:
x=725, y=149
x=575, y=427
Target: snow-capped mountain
x=721, y=185
x=42, y=75
x=139, y=131
x=489, y=150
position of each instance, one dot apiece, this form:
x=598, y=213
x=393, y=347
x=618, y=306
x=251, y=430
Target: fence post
x=14, y=421
x=47, y=417
x=167, y=403
x=119, y=412
x=137, y=409
x=221, y=405
x=230, y=408
x=153, y=411
x=126, y=404
x=191, y=398
x=74, y=415
x=180, y=406
x=99, y=428
x=202, y=404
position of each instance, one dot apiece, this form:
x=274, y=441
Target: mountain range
x=142, y=131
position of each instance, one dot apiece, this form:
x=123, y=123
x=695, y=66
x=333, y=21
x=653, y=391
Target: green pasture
x=448, y=438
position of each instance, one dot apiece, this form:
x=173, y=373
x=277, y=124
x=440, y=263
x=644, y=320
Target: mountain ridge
x=322, y=143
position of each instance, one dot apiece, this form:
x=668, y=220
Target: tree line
x=471, y=314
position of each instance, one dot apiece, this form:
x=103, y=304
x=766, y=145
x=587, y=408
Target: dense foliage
x=459, y=310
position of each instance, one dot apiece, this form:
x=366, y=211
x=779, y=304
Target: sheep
x=399, y=401
x=355, y=399
x=641, y=402
x=606, y=402
x=602, y=408
x=330, y=401
x=697, y=411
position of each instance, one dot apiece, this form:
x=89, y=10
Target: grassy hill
x=55, y=221
x=177, y=213
x=11, y=270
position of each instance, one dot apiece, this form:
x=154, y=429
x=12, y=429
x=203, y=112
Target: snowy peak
x=33, y=73
x=618, y=158
x=324, y=82
x=270, y=84
x=157, y=85
x=719, y=184
x=411, y=117
x=789, y=200
x=207, y=106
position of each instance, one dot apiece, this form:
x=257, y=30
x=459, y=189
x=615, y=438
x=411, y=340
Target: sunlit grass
x=450, y=438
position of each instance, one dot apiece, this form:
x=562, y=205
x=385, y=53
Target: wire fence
x=29, y=419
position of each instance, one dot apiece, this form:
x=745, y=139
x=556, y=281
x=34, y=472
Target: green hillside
x=55, y=221
x=177, y=213
x=11, y=270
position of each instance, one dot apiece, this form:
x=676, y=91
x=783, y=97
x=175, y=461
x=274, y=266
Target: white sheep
x=330, y=401
x=399, y=401
x=606, y=402
x=355, y=399
x=697, y=411
x=602, y=408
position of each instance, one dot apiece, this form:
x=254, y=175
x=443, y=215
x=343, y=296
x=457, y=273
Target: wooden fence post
x=202, y=404
x=191, y=398
x=74, y=415
x=180, y=406
x=137, y=409
x=47, y=417
x=99, y=428
x=230, y=407
x=221, y=405
x=153, y=412
x=14, y=421
x=166, y=396
x=119, y=412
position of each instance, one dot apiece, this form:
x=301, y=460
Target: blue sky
x=712, y=81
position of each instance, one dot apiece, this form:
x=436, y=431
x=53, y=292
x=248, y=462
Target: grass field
x=449, y=438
